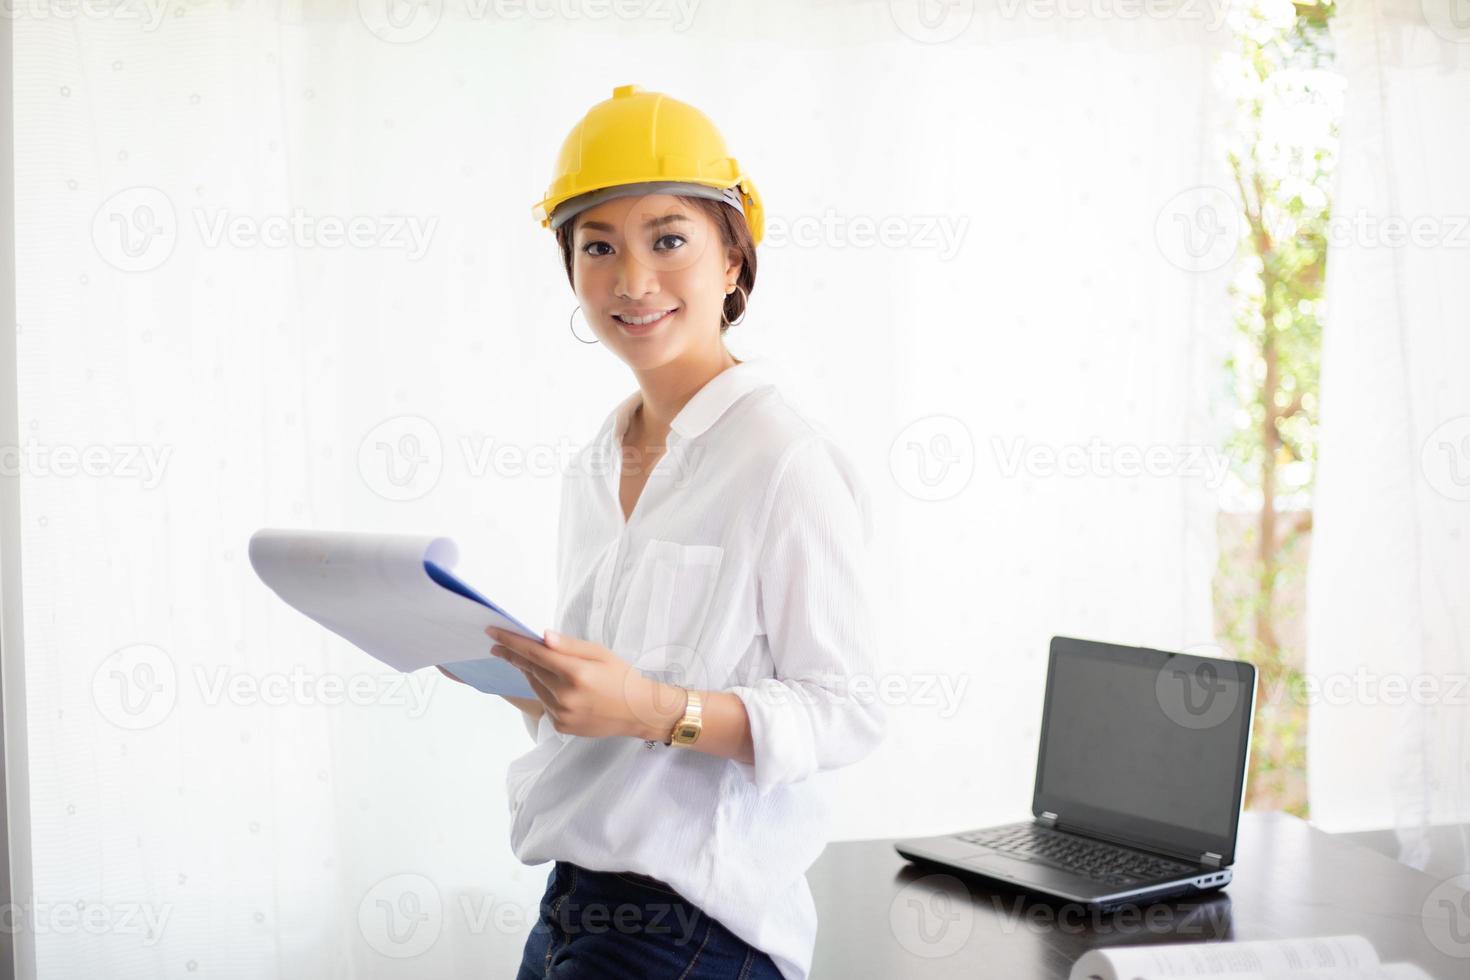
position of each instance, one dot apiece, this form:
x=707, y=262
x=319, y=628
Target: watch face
x=686, y=733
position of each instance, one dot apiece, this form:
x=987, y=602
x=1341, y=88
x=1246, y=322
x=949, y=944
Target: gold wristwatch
x=686, y=730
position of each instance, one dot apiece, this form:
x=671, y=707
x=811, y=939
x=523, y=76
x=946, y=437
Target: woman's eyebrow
x=651, y=223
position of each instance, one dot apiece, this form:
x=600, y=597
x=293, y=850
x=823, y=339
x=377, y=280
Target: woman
x=711, y=607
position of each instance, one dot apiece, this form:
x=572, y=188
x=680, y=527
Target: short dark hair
x=734, y=233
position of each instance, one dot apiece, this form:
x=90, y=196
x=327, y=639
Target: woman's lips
x=638, y=330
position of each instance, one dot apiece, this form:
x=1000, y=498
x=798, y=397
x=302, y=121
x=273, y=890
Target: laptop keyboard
x=1093, y=859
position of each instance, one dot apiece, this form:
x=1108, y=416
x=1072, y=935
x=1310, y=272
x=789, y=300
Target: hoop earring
x=730, y=323
x=573, y=328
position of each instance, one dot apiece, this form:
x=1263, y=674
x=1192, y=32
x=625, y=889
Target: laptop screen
x=1145, y=746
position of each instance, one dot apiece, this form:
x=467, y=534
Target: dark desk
x=882, y=917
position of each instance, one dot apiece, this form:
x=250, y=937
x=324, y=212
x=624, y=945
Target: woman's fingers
x=534, y=672
x=533, y=650
x=544, y=693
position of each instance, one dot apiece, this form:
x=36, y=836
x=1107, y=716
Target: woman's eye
x=588, y=248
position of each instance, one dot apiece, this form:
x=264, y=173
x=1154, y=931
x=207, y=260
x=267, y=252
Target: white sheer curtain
x=993, y=265
x=1389, y=631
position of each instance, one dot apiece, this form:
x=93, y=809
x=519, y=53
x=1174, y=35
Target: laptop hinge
x=1047, y=819
x=1210, y=859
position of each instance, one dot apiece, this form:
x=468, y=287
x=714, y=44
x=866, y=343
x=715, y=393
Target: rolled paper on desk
x=394, y=597
x=1323, y=958
x=1384, y=971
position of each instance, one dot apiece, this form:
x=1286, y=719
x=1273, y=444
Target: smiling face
x=651, y=274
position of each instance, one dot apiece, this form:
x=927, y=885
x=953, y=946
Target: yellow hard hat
x=641, y=142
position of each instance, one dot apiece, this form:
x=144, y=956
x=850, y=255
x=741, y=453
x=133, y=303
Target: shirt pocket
x=668, y=602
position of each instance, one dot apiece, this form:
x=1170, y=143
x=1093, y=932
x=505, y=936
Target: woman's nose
x=635, y=279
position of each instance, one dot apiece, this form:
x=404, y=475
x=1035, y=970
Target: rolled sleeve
x=820, y=711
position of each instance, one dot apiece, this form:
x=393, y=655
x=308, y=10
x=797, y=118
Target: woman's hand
x=589, y=690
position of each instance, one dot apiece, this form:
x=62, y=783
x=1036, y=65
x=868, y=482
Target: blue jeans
x=616, y=925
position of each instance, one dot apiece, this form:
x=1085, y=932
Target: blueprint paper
x=393, y=597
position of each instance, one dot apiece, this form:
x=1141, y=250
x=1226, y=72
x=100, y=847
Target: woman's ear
x=734, y=265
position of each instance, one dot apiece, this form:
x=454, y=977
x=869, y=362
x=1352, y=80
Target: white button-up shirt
x=744, y=569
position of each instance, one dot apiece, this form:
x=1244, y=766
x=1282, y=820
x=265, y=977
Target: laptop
x=1139, y=780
